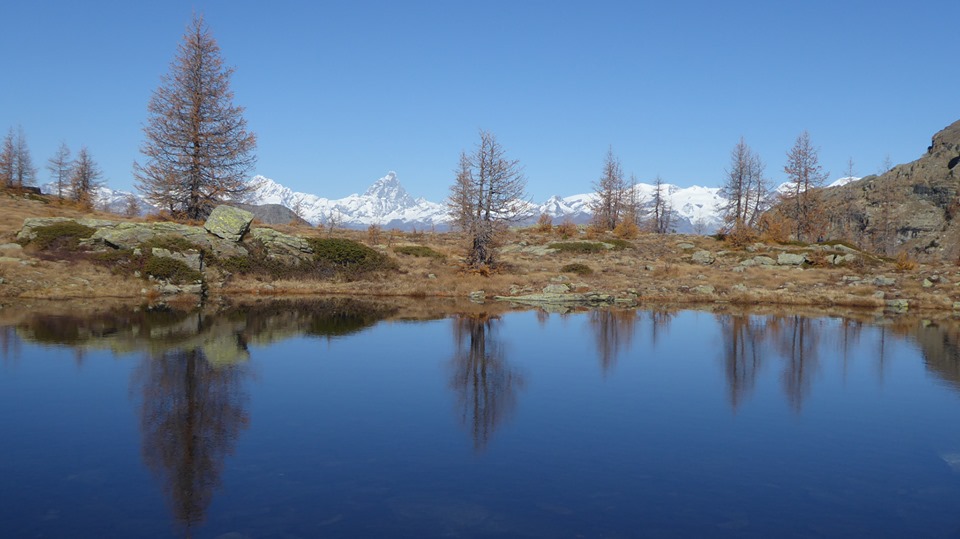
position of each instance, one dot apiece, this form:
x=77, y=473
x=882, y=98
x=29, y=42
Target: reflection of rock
x=222, y=336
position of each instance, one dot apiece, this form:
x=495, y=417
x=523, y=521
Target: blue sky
x=339, y=93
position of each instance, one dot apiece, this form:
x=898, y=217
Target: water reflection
x=613, y=331
x=191, y=414
x=484, y=381
x=742, y=354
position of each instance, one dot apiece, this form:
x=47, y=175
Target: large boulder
x=228, y=222
x=283, y=247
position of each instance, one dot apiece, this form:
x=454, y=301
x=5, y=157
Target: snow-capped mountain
x=385, y=203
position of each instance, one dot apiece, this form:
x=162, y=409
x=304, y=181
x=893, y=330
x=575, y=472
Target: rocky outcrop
x=228, y=222
x=283, y=247
x=914, y=206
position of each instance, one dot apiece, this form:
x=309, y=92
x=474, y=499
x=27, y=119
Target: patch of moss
x=579, y=247
x=619, y=244
x=421, y=251
x=171, y=270
x=170, y=242
x=62, y=236
x=579, y=269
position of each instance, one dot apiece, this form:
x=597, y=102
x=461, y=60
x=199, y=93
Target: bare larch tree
x=745, y=189
x=661, y=214
x=198, y=150
x=805, y=177
x=61, y=168
x=611, y=195
x=16, y=166
x=488, y=193
x=85, y=179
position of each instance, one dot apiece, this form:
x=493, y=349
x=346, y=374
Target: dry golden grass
x=655, y=269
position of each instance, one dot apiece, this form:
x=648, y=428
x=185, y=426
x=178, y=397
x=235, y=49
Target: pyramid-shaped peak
x=389, y=188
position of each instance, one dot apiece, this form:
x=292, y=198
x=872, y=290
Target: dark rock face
x=912, y=207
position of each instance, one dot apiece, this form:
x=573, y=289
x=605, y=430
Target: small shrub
x=544, y=224
x=579, y=247
x=62, y=236
x=579, y=269
x=905, y=262
x=347, y=257
x=594, y=231
x=567, y=229
x=421, y=251
x=741, y=236
x=619, y=244
x=626, y=230
x=168, y=269
x=374, y=234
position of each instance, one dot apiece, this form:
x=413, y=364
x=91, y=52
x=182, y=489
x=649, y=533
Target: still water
x=340, y=419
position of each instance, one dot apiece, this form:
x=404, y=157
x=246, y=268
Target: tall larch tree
x=610, y=194
x=745, y=189
x=661, y=213
x=60, y=166
x=805, y=176
x=488, y=193
x=85, y=180
x=197, y=149
x=16, y=165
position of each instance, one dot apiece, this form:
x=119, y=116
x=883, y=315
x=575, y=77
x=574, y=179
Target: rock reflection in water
x=191, y=414
x=484, y=381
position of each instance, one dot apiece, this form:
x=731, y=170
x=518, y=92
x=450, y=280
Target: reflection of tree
x=485, y=383
x=742, y=353
x=10, y=345
x=191, y=416
x=659, y=322
x=612, y=330
x=796, y=340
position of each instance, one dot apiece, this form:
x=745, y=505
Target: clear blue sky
x=339, y=93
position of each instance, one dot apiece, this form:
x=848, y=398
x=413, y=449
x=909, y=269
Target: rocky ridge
x=912, y=207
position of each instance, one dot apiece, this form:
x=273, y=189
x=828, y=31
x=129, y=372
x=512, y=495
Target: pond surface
x=335, y=419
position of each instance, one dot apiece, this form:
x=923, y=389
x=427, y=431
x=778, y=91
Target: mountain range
x=387, y=203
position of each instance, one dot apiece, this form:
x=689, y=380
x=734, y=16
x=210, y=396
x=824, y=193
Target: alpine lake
x=336, y=417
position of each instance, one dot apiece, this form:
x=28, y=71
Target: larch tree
x=16, y=165
x=661, y=214
x=488, y=193
x=61, y=168
x=745, y=189
x=610, y=193
x=7, y=160
x=85, y=180
x=805, y=176
x=197, y=149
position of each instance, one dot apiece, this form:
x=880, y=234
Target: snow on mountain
x=107, y=199
x=385, y=203
x=843, y=181
x=388, y=204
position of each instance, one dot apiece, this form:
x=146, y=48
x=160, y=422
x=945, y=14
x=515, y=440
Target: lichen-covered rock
x=556, y=289
x=30, y=225
x=790, y=259
x=703, y=257
x=228, y=222
x=283, y=247
x=132, y=235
